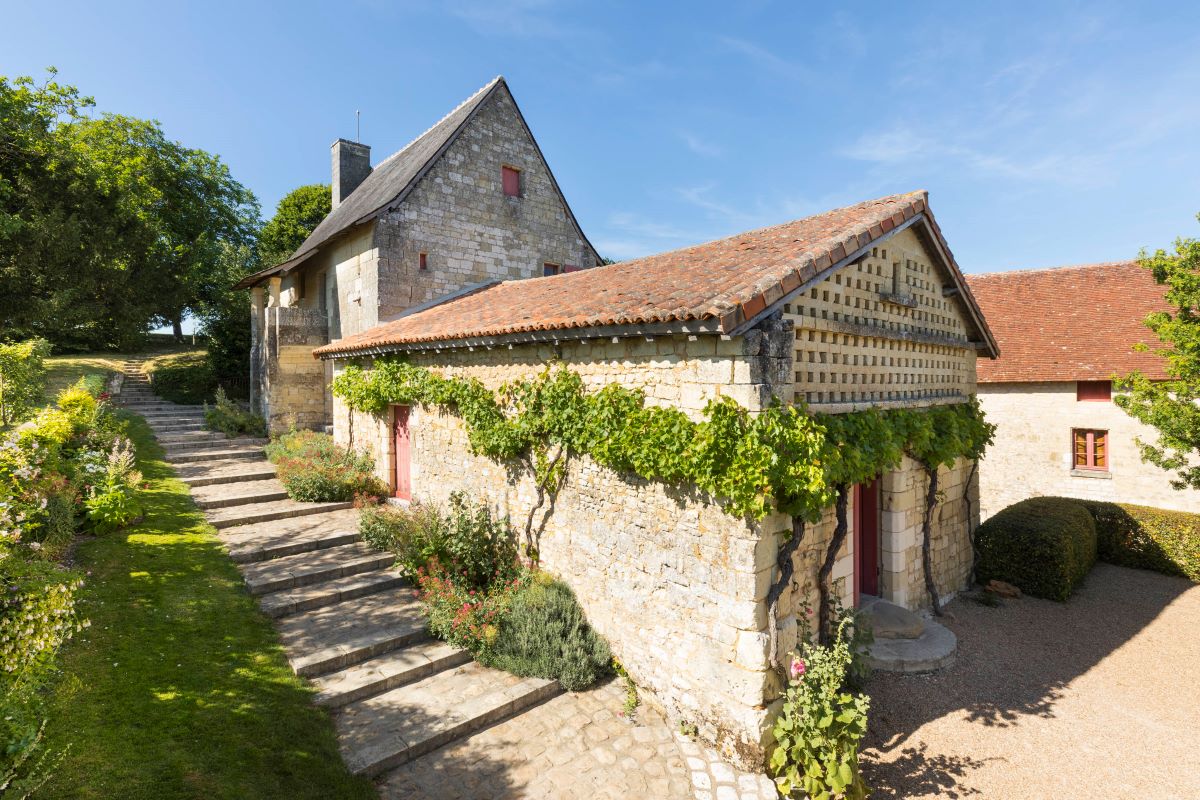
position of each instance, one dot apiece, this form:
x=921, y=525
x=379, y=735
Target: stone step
x=226, y=495
x=199, y=434
x=173, y=428
x=395, y=727
x=935, y=648
x=305, y=569
x=386, y=672
x=344, y=634
x=285, y=537
x=317, y=595
x=151, y=406
x=170, y=416
x=208, y=444
x=229, y=470
x=221, y=453
x=262, y=512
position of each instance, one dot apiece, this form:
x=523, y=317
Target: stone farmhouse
x=472, y=199
x=1064, y=334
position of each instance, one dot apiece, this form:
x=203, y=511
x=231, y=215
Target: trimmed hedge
x=188, y=380
x=1044, y=546
x=1147, y=538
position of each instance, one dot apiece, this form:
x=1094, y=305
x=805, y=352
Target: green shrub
x=544, y=634
x=185, y=379
x=1147, y=538
x=416, y=534
x=314, y=469
x=22, y=379
x=465, y=617
x=231, y=419
x=480, y=548
x=1043, y=545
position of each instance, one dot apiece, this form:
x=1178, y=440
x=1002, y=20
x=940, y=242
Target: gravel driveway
x=1098, y=697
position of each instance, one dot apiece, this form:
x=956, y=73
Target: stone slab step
x=202, y=444
x=229, y=470
x=305, y=569
x=935, y=648
x=262, y=512
x=221, y=453
x=175, y=428
x=154, y=417
x=344, y=634
x=160, y=406
x=198, y=434
x=225, y=495
x=387, y=672
x=395, y=727
x=327, y=592
x=285, y=537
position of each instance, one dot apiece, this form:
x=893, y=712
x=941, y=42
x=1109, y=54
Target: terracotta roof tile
x=723, y=283
x=1069, y=323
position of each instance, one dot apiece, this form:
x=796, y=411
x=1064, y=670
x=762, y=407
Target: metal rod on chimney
x=358, y=126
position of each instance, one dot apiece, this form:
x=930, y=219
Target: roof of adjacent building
x=1070, y=323
x=392, y=180
x=719, y=287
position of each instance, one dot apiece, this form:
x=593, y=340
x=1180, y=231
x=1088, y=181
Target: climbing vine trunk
x=824, y=585
x=970, y=514
x=783, y=560
x=927, y=537
x=544, y=484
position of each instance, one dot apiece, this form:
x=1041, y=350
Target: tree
x=1172, y=407
x=22, y=379
x=301, y=210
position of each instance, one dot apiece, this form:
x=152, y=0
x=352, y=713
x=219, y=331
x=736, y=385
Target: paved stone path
x=415, y=713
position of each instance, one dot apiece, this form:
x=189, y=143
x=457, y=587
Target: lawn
x=179, y=689
x=62, y=371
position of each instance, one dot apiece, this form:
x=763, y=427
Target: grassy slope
x=179, y=689
x=62, y=371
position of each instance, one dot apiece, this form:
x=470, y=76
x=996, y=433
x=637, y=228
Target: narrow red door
x=403, y=480
x=866, y=539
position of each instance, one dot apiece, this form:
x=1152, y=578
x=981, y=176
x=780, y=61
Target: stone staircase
x=348, y=621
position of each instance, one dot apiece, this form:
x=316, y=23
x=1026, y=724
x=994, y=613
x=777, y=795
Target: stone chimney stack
x=351, y=166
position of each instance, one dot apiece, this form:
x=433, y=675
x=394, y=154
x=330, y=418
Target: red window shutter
x=1090, y=449
x=571, y=268
x=511, y=179
x=1097, y=391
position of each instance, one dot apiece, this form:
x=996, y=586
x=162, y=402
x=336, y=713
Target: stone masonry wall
x=295, y=381
x=674, y=583
x=1032, y=453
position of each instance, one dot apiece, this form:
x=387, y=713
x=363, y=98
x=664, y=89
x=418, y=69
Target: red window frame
x=510, y=179
x=549, y=269
x=423, y=261
x=1090, y=450
x=1093, y=391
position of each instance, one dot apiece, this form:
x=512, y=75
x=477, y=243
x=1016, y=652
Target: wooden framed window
x=1093, y=391
x=1090, y=449
x=510, y=177
x=423, y=261
x=549, y=269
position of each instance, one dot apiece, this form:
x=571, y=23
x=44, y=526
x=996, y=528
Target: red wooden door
x=866, y=539
x=403, y=479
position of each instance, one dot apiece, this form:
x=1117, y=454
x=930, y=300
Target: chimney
x=351, y=166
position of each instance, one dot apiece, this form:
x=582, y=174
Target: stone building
x=1065, y=333
x=861, y=306
x=470, y=200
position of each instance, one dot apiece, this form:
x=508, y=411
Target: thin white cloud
x=765, y=59
x=699, y=146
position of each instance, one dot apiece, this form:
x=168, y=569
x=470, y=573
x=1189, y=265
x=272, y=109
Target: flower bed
x=314, y=469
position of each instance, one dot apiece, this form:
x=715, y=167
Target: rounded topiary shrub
x=1147, y=538
x=1043, y=545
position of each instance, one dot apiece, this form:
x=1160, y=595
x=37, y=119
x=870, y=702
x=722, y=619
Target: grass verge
x=180, y=689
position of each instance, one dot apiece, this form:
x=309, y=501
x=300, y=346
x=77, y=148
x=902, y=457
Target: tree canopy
x=300, y=210
x=1172, y=407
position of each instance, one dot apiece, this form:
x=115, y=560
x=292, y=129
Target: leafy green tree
x=1172, y=407
x=300, y=210
x=22, y=379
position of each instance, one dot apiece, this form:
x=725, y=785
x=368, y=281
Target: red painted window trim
x=1093, y=391
x=423, y=261
x=1089, y=438
x=510, y=179
x=549, y=269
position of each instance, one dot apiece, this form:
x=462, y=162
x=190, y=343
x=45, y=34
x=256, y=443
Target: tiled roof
x=713, y=287
x=387, y=183
x=1069, y=323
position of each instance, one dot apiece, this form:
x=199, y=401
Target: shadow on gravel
x=1014, y=661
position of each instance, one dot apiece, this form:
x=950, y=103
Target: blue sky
x=1047, y=133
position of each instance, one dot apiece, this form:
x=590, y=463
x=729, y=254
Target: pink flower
x=798, y=668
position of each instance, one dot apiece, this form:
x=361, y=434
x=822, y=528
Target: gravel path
x=1096, y=697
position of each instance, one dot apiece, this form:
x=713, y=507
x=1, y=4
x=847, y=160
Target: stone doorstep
x=318, y=595
x=200, y=444
x=304, y=569
x=211, y=473
x=238, y=494
x=386, y=672
x=264, y=512
x=250, y=543
x=395, y=727
x=216, y=454
x=934, y=649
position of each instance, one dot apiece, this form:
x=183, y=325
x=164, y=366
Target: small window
x=1093, y=391
x=322, y=290
x=511, y=178
x=549, y=269
x=299, y=285
x=424, y=261
x=1091, y=449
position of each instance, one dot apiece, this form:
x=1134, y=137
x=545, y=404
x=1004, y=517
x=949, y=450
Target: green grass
x=180, y=689
x=62, y=371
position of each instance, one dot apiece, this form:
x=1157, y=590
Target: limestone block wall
x=1032, y=453
x=293, y=389
x=674, y=583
